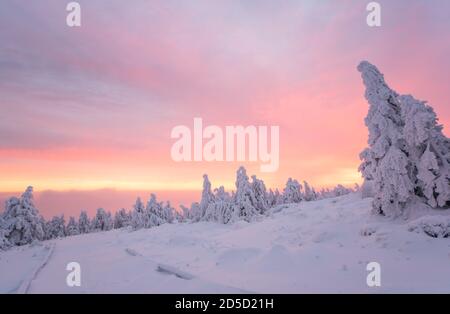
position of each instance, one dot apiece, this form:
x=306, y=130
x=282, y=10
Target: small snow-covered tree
x=4, y=242
x=207, y=197
x=260, y=192
x=84, y=224
x=55, y=228
x=72, y=227
x=309, y=194
x=186, y=212
x=138, y=215
x=102, y=221
x=168, y=213
x=340, y=190
x=292, y=193
x=385, y=161
x=179, y=216
x=153, y=213
x=222, y=210
x=244, y=199
x=21, y=220
x=122, y=219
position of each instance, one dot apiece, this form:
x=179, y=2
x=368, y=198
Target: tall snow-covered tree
x=292, y=193
x=122, y=219
x=428, y=150
x=56, y=228
x=72, y=227
x=244, y=199
x=21, y=220
x=84, y=224
x=385, y=161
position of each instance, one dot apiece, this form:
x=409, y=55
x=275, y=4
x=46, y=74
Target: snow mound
x=436, y=226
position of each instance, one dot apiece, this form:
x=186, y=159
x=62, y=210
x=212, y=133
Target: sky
x=89, y=109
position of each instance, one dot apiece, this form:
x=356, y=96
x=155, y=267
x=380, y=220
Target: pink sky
x=92, y=107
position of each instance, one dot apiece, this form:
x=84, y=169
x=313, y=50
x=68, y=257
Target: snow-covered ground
x=311, y=247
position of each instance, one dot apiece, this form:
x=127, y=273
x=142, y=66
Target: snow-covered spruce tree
x=22, y=223
x=153, y=213
x=122, y=219
x=222, y=210
x=244, y=198
x=84, y=224
x=179, y=216
x=271, y=201
x=4, y=242
x=102, y=221
x=193, y=213
x=385, y=161
x=186, y=212
x=207, y=199
x=292, y=193
x=168, y=213
x=340, y=190
x=225, y=207
x=309, y=194
x=72, y=227
x=428, y=150
x=138, y=215
x=56, y=228
x=260, y=192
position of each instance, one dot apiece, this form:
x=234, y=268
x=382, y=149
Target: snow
x=320, y=246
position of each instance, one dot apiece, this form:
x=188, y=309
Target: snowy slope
x=320, y=246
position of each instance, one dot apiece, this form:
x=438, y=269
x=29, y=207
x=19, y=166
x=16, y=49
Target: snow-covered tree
x=207, y=197
x=138, y=215
x=153, y=213
x=22, y=223
x=4, y=242
x=179, y=216
x=260, y=192
x=168, y=213
x=340, y=190
x=122, y=219
x=72, y=227
x=56, y=228
x=428, y=150
x=222, y=210
x=244, y=199
x=84, y=224
x=292, y=193
x=102, y=221
x=186, y=212
x=309, y=194
x=385, y=161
